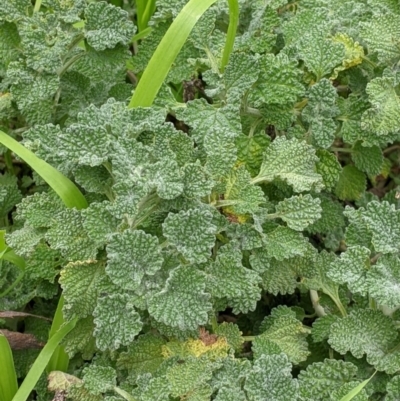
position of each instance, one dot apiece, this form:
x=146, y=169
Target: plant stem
x=372, y=303
x=319, y=310
x=68, y=64
x=391, y=148
x=124, y=394
x=339, y=305
x=214, y=323
x=365, y=58
x=8, y=161
x=76, y=41
x=249, y=338
x=20, y=130
x=252, y=112
x=38, y=4
x=341, y=150
x=14, y=284
x=331, y=356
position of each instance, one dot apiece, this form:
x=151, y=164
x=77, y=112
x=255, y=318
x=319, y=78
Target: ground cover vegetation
x=213, y=219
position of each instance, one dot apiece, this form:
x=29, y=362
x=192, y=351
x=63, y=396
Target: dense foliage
x=242, y=236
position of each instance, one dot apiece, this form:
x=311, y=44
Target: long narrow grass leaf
x=142, y=34
x=59, y=360
x=66, y=189
x=41, y=362
x=232, y=28
x=148, y=12
x=171, y=44
x=8, y=377
x=166, y=52
x=350, y=395
x=10, y=255
x=140, y=11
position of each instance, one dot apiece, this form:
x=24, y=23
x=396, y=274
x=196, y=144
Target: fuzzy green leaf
x=320, y=54
x=81, y=339
x=284, y=243
x=331, y=216
x=271, y=379
x=322, y=326
x=250, y=151
x=384, y=115
x=292, y=161
x=69, y=236
x=283, y=329
x=351, y=269
x=228, y=278
x=241, y=196
x=183, y=303
x=39, y=209
x=197, y=182
x=381, y=35
x=231, y=333
x=189, y=376
x=116, y=322
x=367, y=159
x=260, y=36
x=240, y=65
x=329, y=168
x=99, y=379
x=321, y=378
x=277, y=276
x=205, y=118
x=81, y=283
x=383, y=221
x=191, y=232
x=13, y=10
x=393, y=389
x=319, y=112
x=84, y=144
x=98, y=222
x=144, y=355
x=132, y=254
x=106, y=26
x=33, y=93
x=348, y=334
x=44, y=41
x=9, y=194
x=298, y=212
x=278, y=82
x=351, y=184
x=383, y=281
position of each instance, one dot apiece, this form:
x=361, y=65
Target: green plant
x=8, y=381
x=144, y=10
x=251, y=201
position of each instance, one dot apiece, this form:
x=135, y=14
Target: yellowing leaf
x=354, y=53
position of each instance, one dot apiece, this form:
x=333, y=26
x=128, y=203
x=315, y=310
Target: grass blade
x=142, y=34
x=171, y=44
x=41, y=362
x=350, y=395
x=148, y=12
x=66, y=189
x=59, y=360
x=140, y=10
x=8, y=377
x=230, y=38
